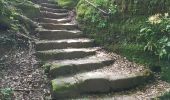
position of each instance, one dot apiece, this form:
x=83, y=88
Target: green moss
x=148, y=73
x=61, y=86
x=67, y=3
x=29, y=9
x=54, y=66
x=46, y=67
x=58, y=87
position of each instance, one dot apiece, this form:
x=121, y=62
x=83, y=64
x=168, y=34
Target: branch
x=101, y=10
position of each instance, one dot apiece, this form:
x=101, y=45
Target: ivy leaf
x=162, y=52
x=168, y=44
x=143, y=30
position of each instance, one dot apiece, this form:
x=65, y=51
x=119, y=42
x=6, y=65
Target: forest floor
x=24, y=77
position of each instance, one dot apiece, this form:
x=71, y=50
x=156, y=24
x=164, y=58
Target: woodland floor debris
x=24, y=75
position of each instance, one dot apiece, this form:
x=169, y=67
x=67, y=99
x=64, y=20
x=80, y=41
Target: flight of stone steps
x=76, y=66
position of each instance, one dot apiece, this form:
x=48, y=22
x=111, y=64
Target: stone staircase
x=76, y=66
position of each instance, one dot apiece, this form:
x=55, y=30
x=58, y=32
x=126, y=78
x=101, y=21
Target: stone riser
x=53, y=10
x=63, y=55
x=59, y=26
x=48, y=5
x=48, y=20
x=48, y=46
x=74, y=69
x=71, y=87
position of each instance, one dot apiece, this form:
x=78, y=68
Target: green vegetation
x=128, y=32
x=10, y=10
x=46, y=67
x=67, y=3
x=13, y=20
x=136, y=29
x=155, y=35
x=6, y=94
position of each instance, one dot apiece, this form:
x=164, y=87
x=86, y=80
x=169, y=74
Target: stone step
x=54, y=10
x=59, y=34
x=54, y=21
x=70, y=53
x=49, y=5
x=70, y=67
x=53, y=15
x=63, y=44
x=52, y=26
x=95, y=82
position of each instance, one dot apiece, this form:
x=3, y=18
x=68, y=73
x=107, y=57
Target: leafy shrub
x=155, y=35
x=95, y=23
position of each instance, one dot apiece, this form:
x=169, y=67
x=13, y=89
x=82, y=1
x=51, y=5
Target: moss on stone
x=46, y=67
x=54, y=66
x=148, y=73
x=63, y=86
x=59, y=87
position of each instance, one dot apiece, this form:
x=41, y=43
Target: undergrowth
x=15, y=22
x=127, y=30
x=6, y=94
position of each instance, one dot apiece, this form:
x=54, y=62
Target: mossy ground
x=67, y=3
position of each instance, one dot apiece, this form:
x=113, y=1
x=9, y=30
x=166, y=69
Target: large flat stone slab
x=67, y=26
x=53, y=15
x=59, y=34
x=69, y=67
x=70, y=53
x=63, y=44
x=95, y=82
